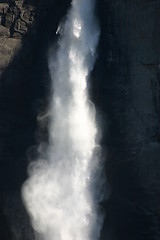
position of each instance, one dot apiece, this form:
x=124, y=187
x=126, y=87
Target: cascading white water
x=63, y=190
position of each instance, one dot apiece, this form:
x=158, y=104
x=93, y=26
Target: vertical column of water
x=60, y=195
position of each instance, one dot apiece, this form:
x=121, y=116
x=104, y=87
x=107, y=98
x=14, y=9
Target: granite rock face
x=125, y=90
x=128, y=79
x=16, y=17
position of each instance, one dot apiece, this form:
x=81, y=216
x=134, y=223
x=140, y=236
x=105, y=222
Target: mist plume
x=65, y=184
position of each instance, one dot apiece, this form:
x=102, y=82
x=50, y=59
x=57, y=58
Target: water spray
x=63, y=190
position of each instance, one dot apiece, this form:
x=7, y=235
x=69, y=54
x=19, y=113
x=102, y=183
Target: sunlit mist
x=63, y=191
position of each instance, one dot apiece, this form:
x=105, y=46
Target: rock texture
x=125, y=89
x=128, y=79
x=16, y=18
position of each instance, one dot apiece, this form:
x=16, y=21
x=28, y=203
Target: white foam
x=61, y=193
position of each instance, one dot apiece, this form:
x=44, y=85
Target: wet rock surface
x=125, y=89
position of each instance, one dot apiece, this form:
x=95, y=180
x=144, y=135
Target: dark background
x=126, y=92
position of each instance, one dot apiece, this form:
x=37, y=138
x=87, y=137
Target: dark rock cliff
x=125, y=89
x=128, y=79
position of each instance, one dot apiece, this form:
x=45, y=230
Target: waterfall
x=63, y=190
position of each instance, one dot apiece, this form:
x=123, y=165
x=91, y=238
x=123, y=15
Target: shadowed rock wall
x=129, y=92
